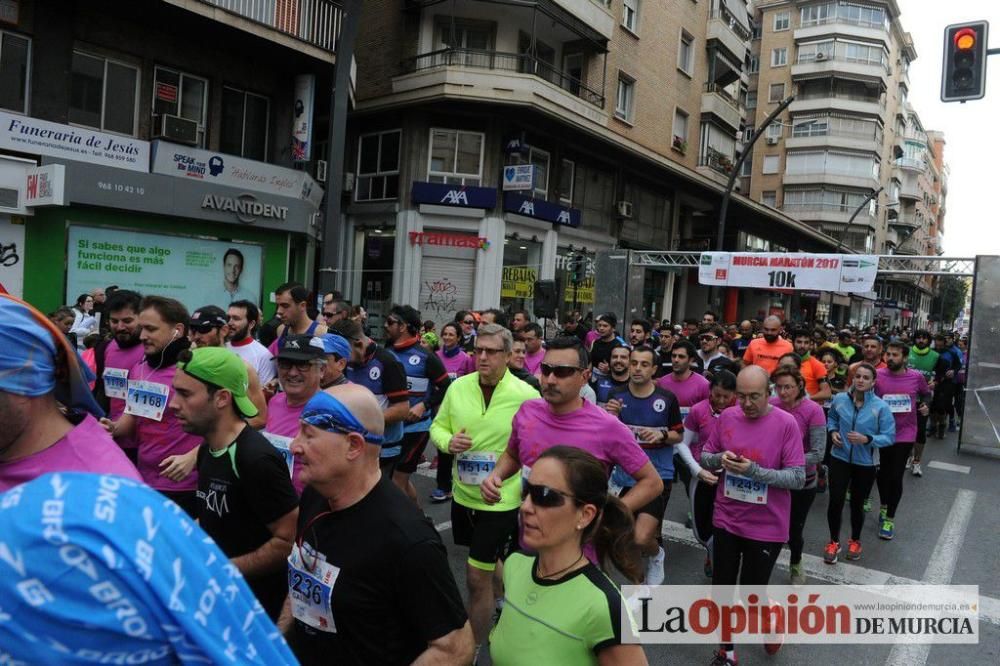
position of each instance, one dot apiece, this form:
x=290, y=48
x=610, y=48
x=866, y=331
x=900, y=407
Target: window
x=774, y=130
x=567, y=178
x=540, y=160
x=776, y=92
x=751, y=102
x=755, y=31
x=95, y=80
x=754, y=66
x=685, y=53
x=14, y=50
x=846, y=164
x=769, y=198
x=456, y=157
x=746, y=169
x=625, y=101
x=782, y=21
x=779, y=57
x=771, y=164
x=179, y=94
x=630, y=15
x=378, y=166
x=680, y=130
x=245, y=123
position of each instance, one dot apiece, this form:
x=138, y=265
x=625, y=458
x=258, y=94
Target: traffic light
x=579, y=269
x=963, y=75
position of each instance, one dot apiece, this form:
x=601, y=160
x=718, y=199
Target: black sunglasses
x=391, y=321
x=470, y=322
x=543, y=496
x=560, y=371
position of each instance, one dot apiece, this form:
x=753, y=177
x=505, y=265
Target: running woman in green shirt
x=560, y=608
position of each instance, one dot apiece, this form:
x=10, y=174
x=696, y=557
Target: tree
x=951, y=292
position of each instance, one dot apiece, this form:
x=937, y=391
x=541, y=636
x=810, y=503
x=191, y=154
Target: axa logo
x=456, y=198
x=563, y=217
x=527, y=208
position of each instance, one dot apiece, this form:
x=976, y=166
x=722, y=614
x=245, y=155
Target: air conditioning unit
x=321, y=172
x=772, y=141
x=176, y=129
x=821, y=56
x=624, y=209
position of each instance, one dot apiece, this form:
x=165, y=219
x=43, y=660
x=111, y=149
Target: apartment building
x=628, y=113
x=849, y=132
x=144, y=143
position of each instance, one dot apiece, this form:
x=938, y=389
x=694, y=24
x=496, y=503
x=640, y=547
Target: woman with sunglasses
x=860, y=423
x=792, y=398
x=467, y=320
x=560, y=608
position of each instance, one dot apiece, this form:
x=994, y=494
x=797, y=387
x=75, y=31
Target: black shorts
x=413, y=445
x=489, y=535
x=657, y=506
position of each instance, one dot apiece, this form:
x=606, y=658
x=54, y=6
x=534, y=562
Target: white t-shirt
x=258, y=357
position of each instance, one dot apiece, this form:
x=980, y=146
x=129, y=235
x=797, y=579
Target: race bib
x=310, y=589
x=614, y=488
x=473, y=468
x=116, y=383
x=899, y=403
x=453, y=376
x=745, y=489
x=525, y=472
x=147, y=399
x=417, y=385
x=684, y=412
x=284, y=446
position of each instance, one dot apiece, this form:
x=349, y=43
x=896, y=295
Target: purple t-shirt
x=689, y=392
x=281, y=428
x=773, y=442
x=458, y=365
x=535, y=428
x=86, y=448
x=900, y=392
x=533, y=361
x=164, y=438
x=808, y=415
x=702, y=421
x=121, y=359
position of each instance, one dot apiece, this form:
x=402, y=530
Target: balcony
x=869, y=106
x=821, y=66
x=866, y=182
x=906, y=220
x=498, y=77
x=822, y=136
x=312, y=22
x=728, y=34
x=591, y=13
x=842, y=26
x=829, y=213
x=717, y=161
x=717, y=101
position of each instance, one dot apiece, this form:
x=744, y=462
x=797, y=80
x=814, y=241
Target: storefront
x=205, y=228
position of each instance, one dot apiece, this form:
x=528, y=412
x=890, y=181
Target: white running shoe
x=654, y=568
x=909, y=463
x=916, y=470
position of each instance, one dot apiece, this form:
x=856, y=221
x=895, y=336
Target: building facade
x=150, y=144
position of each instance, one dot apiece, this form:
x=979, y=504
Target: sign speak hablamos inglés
x=787, y=270
x=24, y=134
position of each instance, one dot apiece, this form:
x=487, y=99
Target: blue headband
x=336, y=344
x=327, y=413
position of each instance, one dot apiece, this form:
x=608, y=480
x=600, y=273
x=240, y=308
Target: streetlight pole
x=330, y=277
x=871, y=195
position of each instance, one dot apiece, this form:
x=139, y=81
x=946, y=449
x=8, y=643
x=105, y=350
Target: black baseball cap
x=302, y=348
x=208, y=317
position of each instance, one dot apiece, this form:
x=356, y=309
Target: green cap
x=223, y=368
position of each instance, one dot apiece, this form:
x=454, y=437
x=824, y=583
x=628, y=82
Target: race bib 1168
x=147, y=399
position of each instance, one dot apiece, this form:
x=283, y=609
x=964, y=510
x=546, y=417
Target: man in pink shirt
x=561, y=416
x=759, y=449
x=36, y=437
x=532, y=335
x=687, y=385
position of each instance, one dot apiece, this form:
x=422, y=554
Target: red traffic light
x=965, y=39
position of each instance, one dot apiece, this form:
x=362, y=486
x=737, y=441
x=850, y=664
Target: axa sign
x=245, y=206
x=463, y=196
x=540, y=209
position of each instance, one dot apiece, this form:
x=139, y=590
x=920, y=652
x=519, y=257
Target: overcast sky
x=972, y=130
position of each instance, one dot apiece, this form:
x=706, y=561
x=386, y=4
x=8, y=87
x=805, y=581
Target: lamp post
x=871, y=195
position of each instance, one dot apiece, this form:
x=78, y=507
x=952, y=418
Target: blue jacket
x=873, y=419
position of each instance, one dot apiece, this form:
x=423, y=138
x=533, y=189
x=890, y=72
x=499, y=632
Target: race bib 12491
x=745, y=489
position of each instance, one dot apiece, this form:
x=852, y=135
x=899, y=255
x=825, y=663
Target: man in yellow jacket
x=474, y=424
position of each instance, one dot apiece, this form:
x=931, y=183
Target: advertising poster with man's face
x=195, y=271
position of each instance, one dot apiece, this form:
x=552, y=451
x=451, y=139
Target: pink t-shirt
x=702, y=421
x=592, y=335
x=808, y=415
x=281, y=428
x=895, y=389
x=533, y=361
x=458, y=365
x=773, y=442
x=164, y=438
x=121, y=359
x=689, y=392
x=85, y=448
x=535, y=428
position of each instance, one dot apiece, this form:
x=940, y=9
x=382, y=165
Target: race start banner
x=785, y=270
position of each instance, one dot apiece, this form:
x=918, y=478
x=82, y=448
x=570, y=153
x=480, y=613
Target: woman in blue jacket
x=860, y=423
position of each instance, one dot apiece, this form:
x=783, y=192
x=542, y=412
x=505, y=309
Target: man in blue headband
x=338, y=354
x=368, y=576
x=39, y=371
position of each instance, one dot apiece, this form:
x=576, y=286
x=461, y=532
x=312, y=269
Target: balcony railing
x=724, y=94
x=805, y=131
x=834, y=95
x=716, y=160
x=734, y=25
x=910, y=163
x=810, y=58
x=314, y=21
x=523, y=63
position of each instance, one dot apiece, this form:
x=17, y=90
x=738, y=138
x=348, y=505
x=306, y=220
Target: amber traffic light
x=963, y=74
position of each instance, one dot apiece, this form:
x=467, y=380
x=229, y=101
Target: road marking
x=939, y=571
x=948, y=467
